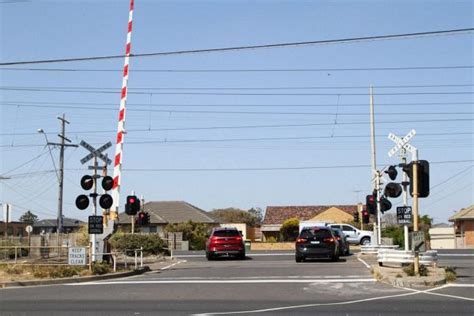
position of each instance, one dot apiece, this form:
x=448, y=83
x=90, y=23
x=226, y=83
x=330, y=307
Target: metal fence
x=58, y=256
x=402, y=256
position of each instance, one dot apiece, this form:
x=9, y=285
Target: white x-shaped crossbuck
x=402, y=143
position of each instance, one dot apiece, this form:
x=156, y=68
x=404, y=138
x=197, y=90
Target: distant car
x=354, y=235
x=343, y=243
x=316, y=242
x=225, y=241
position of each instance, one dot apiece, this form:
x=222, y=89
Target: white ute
x=354, y=235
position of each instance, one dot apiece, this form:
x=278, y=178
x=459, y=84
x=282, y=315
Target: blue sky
x=32, y=30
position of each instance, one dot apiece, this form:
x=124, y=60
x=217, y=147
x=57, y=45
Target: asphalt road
x=264, y=283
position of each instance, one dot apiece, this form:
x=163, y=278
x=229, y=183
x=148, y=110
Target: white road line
x=365, y=263
x=459, y=285
x=172, y=265
x=308, y=305
x=208, y=281
x=455, y=254
x=296, y=277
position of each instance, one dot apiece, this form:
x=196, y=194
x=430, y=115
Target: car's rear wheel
x=241, y=255
x=209, y=256
x=335, y=257
x=365, y=241
x=299, y=258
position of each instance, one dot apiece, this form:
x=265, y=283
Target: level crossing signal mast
x=423, y=177
x=87, y=183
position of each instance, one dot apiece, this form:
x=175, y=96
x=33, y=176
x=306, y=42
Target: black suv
x=316, y=242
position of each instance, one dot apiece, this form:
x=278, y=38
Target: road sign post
x=94, y=154
x=402, y=143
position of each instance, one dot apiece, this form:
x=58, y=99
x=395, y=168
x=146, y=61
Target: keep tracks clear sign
x=77, y=256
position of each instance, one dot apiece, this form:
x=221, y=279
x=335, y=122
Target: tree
x=195, y=233
x=290, y=229
x=234, y=215
x=29, y=218
x=258, y=213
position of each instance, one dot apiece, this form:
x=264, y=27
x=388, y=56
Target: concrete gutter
x=77, y=279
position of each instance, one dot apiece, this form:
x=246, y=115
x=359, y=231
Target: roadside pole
x=94, y=206
x=375, y=173
x=415, y=209
x=405, y=197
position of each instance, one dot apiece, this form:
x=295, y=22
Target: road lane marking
x=455, y=254
x=365, y=263
x=274, y=309
x=227, y=281
x=172, y=265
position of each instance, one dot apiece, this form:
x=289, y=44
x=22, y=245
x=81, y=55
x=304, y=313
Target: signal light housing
x=82, y=202
x=132, y=205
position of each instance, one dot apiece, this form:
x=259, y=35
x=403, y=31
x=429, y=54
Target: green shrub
x=195, y=233
x=450, y=273
x=271, y=239
x=289, y=229
x=396, y=233
x=410, y=270
x=100, y=268
x=151, y=243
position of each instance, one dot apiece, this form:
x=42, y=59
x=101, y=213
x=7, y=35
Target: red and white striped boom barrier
x=121, y=121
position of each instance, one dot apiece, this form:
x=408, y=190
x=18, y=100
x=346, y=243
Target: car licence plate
x=315, y=242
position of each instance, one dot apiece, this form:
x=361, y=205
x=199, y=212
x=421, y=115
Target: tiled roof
x=279, y=214
x=171, y=212
x=465, y=213
x=67, y=222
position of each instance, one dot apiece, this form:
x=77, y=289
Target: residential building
x=49, y=226
x=275, y=216
x=163, y=213
x=15, y=229
x=464, y=227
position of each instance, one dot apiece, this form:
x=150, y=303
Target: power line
x=166, y=141
x=231, y=93
x=265, y=168
x=252, y=47
x=459, y=67
x=452, y=177
x=249, y=112
x=65, y=105
x=241, y=88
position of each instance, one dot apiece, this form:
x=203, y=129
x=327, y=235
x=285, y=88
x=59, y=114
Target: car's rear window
x=226, y=233
x=315, y=232
x=337, y=233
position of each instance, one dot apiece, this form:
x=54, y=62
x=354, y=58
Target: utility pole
x=62, y=145
x=375, y=172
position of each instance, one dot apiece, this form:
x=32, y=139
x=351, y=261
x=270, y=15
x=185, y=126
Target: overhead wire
x=252, y=47
x=406, y=68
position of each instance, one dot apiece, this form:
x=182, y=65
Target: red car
x=225, y=241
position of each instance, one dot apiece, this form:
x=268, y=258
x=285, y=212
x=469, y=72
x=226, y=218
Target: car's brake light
x=330, y=240
x=301, y=240
x=338, y=238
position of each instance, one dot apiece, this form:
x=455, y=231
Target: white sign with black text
x=77, y=256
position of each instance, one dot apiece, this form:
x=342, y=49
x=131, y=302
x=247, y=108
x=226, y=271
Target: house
x=163, y=213
x=464, y=227
x=16, y=229
x=70, y=225
x=276, y=215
